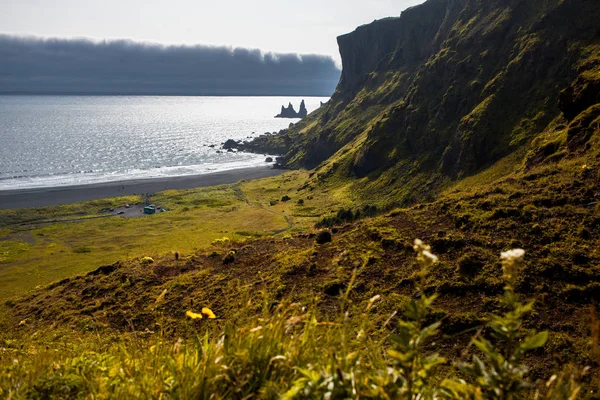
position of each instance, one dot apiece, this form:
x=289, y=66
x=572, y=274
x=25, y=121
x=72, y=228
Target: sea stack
x=289, y=112
x=302, y=112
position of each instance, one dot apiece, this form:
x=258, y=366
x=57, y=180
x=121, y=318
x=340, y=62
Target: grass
x=266, y=348
x=48, y=248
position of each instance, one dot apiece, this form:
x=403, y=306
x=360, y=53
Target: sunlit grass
x=195, y=218
x=286, y=350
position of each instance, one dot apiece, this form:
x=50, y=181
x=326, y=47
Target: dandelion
x=193, y=315
x=207, y=312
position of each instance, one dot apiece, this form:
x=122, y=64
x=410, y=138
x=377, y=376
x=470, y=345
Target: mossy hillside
x=44, y=245
x=550, y=210
x=483, y=81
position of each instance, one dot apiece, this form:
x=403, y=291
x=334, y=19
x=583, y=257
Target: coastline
x=52, y=196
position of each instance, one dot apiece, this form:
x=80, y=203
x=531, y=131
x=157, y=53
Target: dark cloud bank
x=78, y=66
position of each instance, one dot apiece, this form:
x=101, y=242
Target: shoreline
x=60, y=195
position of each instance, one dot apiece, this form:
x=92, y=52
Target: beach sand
x=41, y=197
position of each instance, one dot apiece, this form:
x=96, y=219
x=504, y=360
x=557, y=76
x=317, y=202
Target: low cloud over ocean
x=78, y=66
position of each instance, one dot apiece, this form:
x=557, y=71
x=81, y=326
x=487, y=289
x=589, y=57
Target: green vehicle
x=150, y=209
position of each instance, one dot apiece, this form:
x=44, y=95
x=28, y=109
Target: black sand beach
x=41, y=197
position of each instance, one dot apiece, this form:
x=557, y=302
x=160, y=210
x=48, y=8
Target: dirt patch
x=25, y=237
x=131, y=211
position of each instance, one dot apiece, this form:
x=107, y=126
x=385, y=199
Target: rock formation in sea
x=289, y=112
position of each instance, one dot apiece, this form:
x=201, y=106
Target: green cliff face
x=452, y=86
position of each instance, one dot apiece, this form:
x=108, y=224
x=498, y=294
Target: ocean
x=49, y=141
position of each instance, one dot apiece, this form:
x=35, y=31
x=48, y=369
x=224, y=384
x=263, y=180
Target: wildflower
x=425, y=257
x=513, y=256
x=193, y=315
x=584, y=167
x=208, y=313
x=511, y=260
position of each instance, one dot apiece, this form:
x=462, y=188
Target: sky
x=281, y=26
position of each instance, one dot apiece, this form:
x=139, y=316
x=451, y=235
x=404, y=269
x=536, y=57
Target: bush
x=229, y=258
x=323, y=237
x=347, y=215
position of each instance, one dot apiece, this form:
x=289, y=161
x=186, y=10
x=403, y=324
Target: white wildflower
x=425, y=257
x=514, y=255
x=431, y=258
x=511, y=260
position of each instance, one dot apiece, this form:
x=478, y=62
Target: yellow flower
x=193, y=315
x=23, y=322
x=208, y=313
x=584, y=166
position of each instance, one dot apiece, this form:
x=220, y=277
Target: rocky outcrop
x=289, y=112
x=267, y=143
x=583, y=93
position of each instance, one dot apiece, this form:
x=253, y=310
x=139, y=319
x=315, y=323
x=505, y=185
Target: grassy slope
x=542, y=197
x=36, y=248
x=549, y=209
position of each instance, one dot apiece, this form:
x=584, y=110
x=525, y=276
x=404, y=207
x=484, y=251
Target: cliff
x=449, y=88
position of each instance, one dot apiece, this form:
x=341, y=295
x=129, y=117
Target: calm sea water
x=48, y=141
